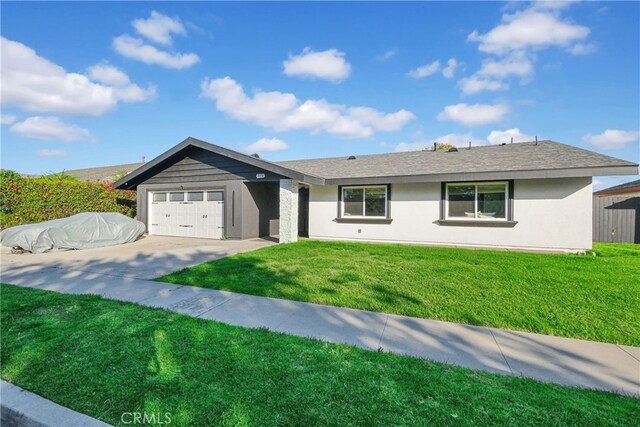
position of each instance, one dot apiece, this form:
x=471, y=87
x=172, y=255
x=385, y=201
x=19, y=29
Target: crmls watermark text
x=154, y=418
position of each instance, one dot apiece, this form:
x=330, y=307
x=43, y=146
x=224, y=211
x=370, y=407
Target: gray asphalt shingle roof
x=527, y=156
x=102, y=173
x=631, y=185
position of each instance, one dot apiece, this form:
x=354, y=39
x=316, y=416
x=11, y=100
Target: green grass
x=581, y=296
x=104, y=357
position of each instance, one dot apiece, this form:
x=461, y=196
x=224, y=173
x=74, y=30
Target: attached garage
x=201, y=190
x=187, y=214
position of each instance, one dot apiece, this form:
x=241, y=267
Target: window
x=159, y=197
x=364, y=201
x=195, y=196
x=477, y=201
x=214, y=196
x=176, y=197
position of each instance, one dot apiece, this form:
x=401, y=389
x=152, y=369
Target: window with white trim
x=364, y=202
x=477, y=201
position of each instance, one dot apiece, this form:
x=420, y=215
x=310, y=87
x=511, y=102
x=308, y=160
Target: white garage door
x=187, y=214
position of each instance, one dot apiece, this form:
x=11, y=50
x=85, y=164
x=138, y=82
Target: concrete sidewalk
x=565, y=361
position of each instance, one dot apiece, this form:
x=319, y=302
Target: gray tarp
x=81, y=231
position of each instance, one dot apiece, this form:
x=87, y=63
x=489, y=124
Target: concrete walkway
x=565, y=361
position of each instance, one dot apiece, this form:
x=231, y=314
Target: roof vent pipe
x=536, y=139
x=143, y=159
x=469, y=146
x=512, y=140
x=351, y=158
x=435, y=146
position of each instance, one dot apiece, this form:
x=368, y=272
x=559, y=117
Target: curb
x=21, y=408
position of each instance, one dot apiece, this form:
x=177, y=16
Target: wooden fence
x=616, y=219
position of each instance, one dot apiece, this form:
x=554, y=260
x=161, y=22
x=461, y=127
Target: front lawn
x=104, y=358
x=581, y=296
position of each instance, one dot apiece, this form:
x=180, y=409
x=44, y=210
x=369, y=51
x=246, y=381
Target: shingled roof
x=627, y=187
x=544, y=159
x=525, y=160
x=102, y=173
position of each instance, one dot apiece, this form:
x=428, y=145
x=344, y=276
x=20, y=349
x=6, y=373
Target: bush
x=30, y=200
x=9, y=183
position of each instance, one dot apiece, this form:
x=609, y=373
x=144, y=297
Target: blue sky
x=90, y=84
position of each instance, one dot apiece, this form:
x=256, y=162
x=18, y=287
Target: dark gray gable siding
x=194, y=164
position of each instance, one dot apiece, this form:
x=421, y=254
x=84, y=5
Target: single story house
x=103, y=173
x=629, y=189
x=533, y=195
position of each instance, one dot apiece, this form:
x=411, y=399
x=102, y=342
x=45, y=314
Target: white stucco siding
x=552, y=214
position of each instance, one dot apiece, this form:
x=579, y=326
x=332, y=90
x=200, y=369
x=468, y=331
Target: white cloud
x=504, y=136
x=425, y=70
x=135, y=48
x=552, y=5
x=51, y=128
x=596, y=183
x=7, y=119
x=449, y=71
x=284, y=112
x=612, y=139
x=33, y=83
x=387, y=55
x=491, y=76
x=267, y=144
x=123, y=88
x=386, y=122
x=51, y=153
x=474, y=84
x=474, y=115
x=539, y=26
x=516, y=64
x=582, y=49
x=327, y=65
x=533, y=28
x=158, y=28
x=455, y=139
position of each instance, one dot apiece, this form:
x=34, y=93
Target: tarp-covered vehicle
x=81, y=231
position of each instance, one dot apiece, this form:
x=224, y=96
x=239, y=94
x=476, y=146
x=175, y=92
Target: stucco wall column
x=288, y=211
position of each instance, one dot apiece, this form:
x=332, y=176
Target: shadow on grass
x=115, y=278
x=104, y=358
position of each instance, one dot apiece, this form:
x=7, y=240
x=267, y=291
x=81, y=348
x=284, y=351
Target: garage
x=193, y=213
x=198, y=189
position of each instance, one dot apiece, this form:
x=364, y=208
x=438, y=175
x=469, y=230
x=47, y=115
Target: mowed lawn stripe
x=580, y=296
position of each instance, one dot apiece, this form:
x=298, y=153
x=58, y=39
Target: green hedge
x=29, y=200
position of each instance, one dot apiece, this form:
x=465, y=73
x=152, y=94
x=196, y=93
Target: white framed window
x=364, y=201
x=477, y=201
x=176, y=197
x=159, y=197
x=195, y=196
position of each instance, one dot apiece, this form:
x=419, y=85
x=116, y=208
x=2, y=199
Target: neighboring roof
x=135, y=177
x=627, y=187
x=102, y=173
x=544, y=159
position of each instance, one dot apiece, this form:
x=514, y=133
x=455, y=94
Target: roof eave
x=631, y=169
x=130, y=180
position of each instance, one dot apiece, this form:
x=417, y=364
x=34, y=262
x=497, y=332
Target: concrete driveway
x=147, y=258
